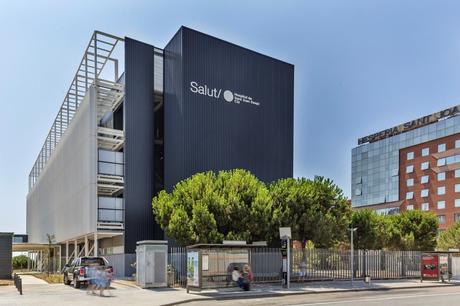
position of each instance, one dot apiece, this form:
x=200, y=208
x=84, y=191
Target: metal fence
x=306, y=265
x=177, y=267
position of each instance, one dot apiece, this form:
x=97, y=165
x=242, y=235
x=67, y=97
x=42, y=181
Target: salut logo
x=228, y=95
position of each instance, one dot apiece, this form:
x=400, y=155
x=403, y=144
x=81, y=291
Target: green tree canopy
x=370, y=232
x=450, y=238
x=410, y=230
x=20, y=262
x=315, y=210
x=209, y=207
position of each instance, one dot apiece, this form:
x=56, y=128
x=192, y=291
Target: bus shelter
x=440, y=265
x=211, y=265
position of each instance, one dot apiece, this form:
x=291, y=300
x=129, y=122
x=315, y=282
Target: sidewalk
x=272, y=290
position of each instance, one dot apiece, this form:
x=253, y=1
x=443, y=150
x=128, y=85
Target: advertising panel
x=430, y=268
x=193, y=276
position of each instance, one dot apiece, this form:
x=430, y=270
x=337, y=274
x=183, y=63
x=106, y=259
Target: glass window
x=441, y=204
x=410, y=155
x=410, y=182
x=457, y=202
x=425, y=165
x=424, y=179
x=457, y=172
x=441, y=147
x=424, y=193
x=441, y=190
x=441, y=176
x=410, y=169
x=457, y=187
x=441, y=162
x=442, y=219
x=457, y=143
x=409, y=195
x=456, y=217
x=425, y=151
x=425, y=206
x=410, y=207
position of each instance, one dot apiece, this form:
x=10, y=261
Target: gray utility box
x=151, y=263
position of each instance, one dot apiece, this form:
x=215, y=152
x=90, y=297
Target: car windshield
x=92, y=261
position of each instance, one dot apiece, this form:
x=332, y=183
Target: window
x=441, y=204
x=425, y=206
x=441, y=147
x=410, y=182
x=410, y=169
x=457, y=202
x=424, y=179
x=424, y=193
x=457, y=187
x=441, y=190
x=425, y=151
x=441, y=176
x=410, y=155
x=442, y=219
x=457, y=143
x=457, y=173
x=409, y=195
x=410, y=207
x=441, y=162
x=456, y=217
x=425, y=165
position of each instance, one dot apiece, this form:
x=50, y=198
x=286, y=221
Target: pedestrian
x=236, y=276
x=91, y=272
x=247, y=278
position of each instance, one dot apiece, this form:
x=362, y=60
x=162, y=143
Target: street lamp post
x=352, y=230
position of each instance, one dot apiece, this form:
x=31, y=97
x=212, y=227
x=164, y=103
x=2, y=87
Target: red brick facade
x=433, y=183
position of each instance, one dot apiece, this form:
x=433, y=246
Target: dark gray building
x=199, y=104
x=6, y=251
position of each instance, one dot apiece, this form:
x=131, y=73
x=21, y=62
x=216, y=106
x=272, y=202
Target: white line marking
x=377, y=299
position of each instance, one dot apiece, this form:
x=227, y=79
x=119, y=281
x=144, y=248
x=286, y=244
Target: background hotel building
x=413, y=166
x=138, y=119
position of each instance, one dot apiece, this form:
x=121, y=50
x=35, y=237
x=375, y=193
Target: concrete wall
x=63, y=202
x=6, y=242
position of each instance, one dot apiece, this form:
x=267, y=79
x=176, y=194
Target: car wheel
x=66, y=280
x=76, y=283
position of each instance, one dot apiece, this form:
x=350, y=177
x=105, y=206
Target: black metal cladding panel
x=204, y=133
x=6, y=240
x=139, y=146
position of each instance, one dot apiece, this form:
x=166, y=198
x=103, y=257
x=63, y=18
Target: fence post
x=403, y=264
x=364, y=261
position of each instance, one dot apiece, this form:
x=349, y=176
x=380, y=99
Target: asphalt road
x=441, y=296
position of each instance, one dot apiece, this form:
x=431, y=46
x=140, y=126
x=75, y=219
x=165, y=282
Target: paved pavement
x=408, y=297
x=37, y=292
x=32, y=280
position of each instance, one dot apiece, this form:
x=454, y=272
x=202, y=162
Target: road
x=403, y=297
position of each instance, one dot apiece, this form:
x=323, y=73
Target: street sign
x=285, y=232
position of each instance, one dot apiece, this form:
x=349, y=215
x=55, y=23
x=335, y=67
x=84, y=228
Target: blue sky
x=360, y=66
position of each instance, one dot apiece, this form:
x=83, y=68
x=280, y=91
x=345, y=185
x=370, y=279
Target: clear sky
x=360, y=66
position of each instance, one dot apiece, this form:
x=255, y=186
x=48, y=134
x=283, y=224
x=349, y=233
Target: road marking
x=377, y=299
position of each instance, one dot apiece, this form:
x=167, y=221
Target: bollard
x=20, y=285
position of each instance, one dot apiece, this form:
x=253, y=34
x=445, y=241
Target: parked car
x=76, y=272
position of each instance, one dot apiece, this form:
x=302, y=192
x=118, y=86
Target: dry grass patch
x=6, y=282
x=50, y=279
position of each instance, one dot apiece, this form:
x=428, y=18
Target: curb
x=126, y=284
x=280, y=294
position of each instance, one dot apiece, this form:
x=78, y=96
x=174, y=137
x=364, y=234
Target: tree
x=450, y=238
x=50, y=238
x=20, y=262
x=209, y=207
x=315, y=210
x=369, y=229
x=410, y=230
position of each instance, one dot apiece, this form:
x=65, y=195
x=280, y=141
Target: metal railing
x=306, y=265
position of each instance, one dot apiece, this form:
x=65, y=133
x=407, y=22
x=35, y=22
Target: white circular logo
x=228, y=96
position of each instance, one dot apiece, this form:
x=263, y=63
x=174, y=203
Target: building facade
x=411, y=166
x=137, y=123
